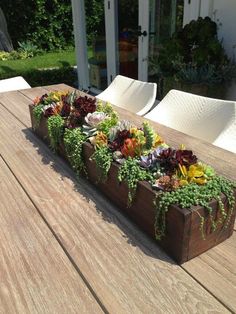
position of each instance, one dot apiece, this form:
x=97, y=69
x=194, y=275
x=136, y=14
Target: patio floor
x=64, y=248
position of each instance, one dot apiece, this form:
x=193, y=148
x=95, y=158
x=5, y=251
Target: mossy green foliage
x=55, y=130
x=130, y=172
x=37, y=112
x=193, y=194
x=73, y=141
x=103, y=159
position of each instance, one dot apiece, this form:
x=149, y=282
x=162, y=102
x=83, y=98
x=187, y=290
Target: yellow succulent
x=100, y=139
x=157, y=141
x=139, y=135
x=195, y=174
x=56, y=96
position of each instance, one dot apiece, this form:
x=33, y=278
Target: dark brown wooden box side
x=197, y=244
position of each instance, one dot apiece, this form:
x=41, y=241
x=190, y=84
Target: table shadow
x=109, y=212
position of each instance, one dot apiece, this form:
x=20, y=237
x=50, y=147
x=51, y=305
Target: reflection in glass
x=96, y=41
x=128, y=37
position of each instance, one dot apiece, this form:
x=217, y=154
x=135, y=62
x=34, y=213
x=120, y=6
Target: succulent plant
x=166, y=183
x=93, y=119
x=150, y=161
x=119, y=140
x=84, y=105
x=149, y=134
x=118, y=157
x=121, y=126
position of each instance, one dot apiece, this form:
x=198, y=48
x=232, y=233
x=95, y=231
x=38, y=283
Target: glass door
x=96, y=45
x=135, y=31
x=131, y=37
x=165, y=17
x=127, y=41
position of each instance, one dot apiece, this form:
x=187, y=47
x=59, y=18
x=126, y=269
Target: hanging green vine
x=37, y=113
x=131, y=173
x=103, y=159
x=194, y=194
x=55, y=130
x=73, y=140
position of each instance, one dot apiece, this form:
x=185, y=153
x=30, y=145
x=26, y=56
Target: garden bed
x=183, y=239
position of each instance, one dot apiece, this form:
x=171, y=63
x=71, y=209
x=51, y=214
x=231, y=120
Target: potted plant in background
x=194, y=60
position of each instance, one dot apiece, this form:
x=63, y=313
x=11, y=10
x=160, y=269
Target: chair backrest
x=13, y=83
x=212, y=120
x=133, y=95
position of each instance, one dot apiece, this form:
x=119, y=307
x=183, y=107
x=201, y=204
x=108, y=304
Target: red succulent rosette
x=118, y=143
x=84, y=105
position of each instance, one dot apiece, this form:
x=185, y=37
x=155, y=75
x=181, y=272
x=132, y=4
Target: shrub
x=196, y=45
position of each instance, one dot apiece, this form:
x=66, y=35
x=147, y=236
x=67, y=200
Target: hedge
x=34, y=77
x=48, y=23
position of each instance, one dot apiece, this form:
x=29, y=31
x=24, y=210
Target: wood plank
x=216, y=271
x=39, y=91
x=17, y=102
x=127, y=271
x=36, y=275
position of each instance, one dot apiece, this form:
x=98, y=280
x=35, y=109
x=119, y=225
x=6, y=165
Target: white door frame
x=111, y=26
x=79, y=25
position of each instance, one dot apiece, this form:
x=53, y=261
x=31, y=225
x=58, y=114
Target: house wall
x=223, y=12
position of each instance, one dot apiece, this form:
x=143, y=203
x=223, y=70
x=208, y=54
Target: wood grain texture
x=216, y=271
x=128, y=272
x=36, y=275
x=16, y=103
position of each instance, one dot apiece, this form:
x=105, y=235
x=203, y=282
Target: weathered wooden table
x=64, y=248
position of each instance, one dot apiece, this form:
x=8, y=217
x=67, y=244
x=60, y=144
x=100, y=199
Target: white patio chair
x=13, y=83
x=133, y=95
x=212, y=120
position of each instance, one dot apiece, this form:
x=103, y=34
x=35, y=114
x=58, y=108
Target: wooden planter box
x=183, y=240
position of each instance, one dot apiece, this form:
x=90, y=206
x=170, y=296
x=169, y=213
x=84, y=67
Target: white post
x=79, y=25
x=111, y=23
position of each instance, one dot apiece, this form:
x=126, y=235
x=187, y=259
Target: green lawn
x=45, y=69
x=47, y=60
